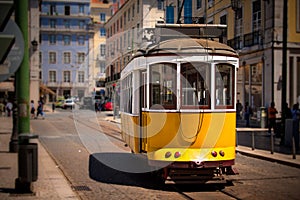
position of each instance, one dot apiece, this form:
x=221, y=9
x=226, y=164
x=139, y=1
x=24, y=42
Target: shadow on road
x=123, y=169
x=133, y=170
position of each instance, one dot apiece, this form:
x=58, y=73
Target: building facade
x=65, y=44
x=131, y=24
x=100, y=13
x=255, y=30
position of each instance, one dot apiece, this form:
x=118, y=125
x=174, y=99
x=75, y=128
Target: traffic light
x=6, y=40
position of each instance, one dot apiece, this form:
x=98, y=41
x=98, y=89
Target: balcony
x=235, y=43
x=63, y=30
x=251, y=39
x=56, y=15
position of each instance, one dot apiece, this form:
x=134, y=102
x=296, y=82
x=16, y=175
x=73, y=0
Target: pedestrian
x=287, y=111
x=32, y=109
x=296, y=117
x=53, y=107
x=248, y=113
x=8, y=108
x=272, y=118
x=239, y=108
x=40, y=110
x=96, y=106
x=1, y=109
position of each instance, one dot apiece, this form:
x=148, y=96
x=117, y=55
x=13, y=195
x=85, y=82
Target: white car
x=69, y=103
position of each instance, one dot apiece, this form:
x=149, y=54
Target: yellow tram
x=178, y=107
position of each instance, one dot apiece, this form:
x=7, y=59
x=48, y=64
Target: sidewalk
x=51, y=183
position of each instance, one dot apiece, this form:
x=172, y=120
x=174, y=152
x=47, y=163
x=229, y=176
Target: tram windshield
x=195, y=84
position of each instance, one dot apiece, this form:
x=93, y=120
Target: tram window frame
x=229, y=104
x=162, y=82
x=202, y=86
x=126, y=86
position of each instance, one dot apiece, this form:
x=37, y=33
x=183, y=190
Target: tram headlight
x=177, y=154
x=168, y=154
x=214, y=153
x=222, y=153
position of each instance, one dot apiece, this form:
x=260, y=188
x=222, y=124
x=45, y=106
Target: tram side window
x=195, y=85
x=127, y=94
x=163, y=86
x=224, y=86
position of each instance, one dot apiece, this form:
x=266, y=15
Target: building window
x=81, y=40
x=121, y=22
x=102, y=67
x=67, y=76
x=102, y=32
x=67, y=39
x=124, y=18
x=52, y=23
x=160, y=4
x=102, y=49
x=67, y=10
x=52, y=39
x=199, y=4
x=67, y=23
x=81, y=24
x=138, y=6
x=102, y=17
x=256, y=15
x=52, y=57
x=128, y=15
x=52, y=76
x=81, y=9
x=41, y=58
x=80, y=77
x=52, y=9
x=67, y=57
x=80, y=58
x=133, y=11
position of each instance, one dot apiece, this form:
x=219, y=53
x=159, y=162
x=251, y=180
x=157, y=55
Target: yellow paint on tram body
x=197, y=134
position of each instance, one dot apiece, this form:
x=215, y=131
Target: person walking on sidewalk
x=8, y=108
x=32, y=109
x=296, y=117
x=40, y=110
x=272, y=117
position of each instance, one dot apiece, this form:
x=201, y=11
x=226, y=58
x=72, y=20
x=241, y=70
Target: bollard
x=272, y=143
x=293, y=147
x=253, y=142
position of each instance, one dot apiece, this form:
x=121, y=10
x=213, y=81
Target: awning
x=47, y=90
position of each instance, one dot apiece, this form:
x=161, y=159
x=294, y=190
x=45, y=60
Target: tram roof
x=188, y=46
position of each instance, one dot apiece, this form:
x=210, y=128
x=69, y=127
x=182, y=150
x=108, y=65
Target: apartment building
x=65, y=44
x=131, y=24
x=100, y=13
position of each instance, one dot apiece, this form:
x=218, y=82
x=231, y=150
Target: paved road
x=77, y=144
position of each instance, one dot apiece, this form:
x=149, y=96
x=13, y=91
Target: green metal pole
x=23, y=73
x=284, y=66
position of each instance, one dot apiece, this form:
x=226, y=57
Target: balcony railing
x=251, y=39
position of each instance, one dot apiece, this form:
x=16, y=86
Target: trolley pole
x=27, y=152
